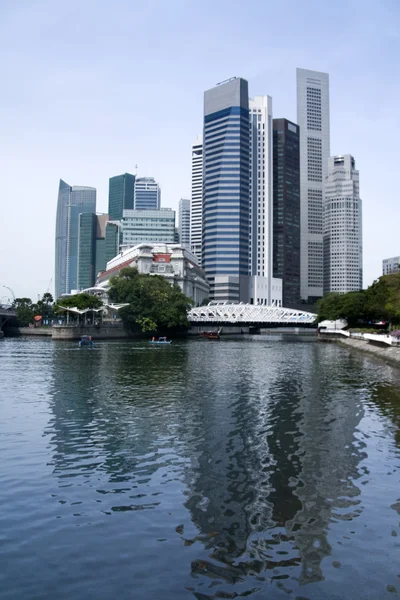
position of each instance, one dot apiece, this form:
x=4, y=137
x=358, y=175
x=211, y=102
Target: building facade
x=391, y=265
x=225, y=252
x=91, y=248
x=72, y=201
x=286, y=209
x=342, y=227
x=147, y=194
x=120, y=195
x=313, y=120
x=147, y=226
x=171, y=261
x=184, y=223
x=113, y=238
x=196, y=204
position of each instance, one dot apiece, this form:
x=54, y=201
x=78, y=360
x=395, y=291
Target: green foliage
x=26, y=310
x=80, y=301
x=154, y=305
x=379, y=302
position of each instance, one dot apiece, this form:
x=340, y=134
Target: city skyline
x=158, y=140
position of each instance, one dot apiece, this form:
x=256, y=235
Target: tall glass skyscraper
x=286, y=209
x=226, y=188
x=120, y=195
x=72, y=201
x=91, y=248
x=147, y=194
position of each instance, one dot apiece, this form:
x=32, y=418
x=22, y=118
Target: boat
x=211, y=335
x=161, y=340
x=86, y=340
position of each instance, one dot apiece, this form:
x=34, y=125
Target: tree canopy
x=27, y=310
x=153, y=304
x=380, y=301
x=80, y=301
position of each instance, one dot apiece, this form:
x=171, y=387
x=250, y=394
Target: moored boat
x=86, y=340
x=211, y=335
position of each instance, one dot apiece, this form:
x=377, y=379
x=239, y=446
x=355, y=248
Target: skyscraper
x=147, y=194
x=72, y=201
x=391, y=265
x=196, y=204
x=184, y=223
x=226, y=188
x=313, y=120
x=113, y=239
x=286, y=209
x=86, y=250
x=342, y=227
x=140, y=226
x=120, y=195
x=261, y=186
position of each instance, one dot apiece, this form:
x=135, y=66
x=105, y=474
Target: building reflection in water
x=278, y=463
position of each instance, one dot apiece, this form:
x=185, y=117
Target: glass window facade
x=86, y=250
x=120, y=195
x=286, y=209
x=147, y=194
x=226, y=191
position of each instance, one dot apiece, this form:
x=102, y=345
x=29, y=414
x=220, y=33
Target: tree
x=80, y=301
x=47, y=298
x=25, y=311
x=153, y=304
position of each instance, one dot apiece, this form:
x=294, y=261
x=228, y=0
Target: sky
x=91, y=89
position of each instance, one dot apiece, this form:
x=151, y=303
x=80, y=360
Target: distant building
x=313, y=120
x=147, y=194
x=148, y=226
x=120, y=195
x=286, y=209
x=91, y=248
x=113, y=238
x=391, y=265
x=342, y=227
x=196, y=204
x=225, y=256
x=72, y=201
x=184, y=223
x=172, y=261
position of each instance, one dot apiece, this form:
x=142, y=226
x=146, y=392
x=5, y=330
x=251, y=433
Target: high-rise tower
x=226, y=188
x=147, y=194
x=196, y=204
x=120, y=195
x=286, y=217
x=72, y=201
x=313, y=120
x=184, y=223
x=342, y=227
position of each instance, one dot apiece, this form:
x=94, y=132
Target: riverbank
x=389, y=353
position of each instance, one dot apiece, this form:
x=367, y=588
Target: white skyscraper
x=196, y=204
x=342, y=227
x=261, y=201
x=313, y=119
x=391, y=265
x=184, y=223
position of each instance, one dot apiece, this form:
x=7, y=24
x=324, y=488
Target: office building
x=391, y=265
x=184, y=223
x=342, y=227
x=120, y=195
x=171, y=261
x=196, y=204
x=147, y=226
x=286, y=209
x=72, y=201
x=91, y=248
x=147, y=194
x=225, y=256
x=313, y=120
x=113, y=239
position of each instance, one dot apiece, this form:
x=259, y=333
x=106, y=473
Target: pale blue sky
x=91, y=88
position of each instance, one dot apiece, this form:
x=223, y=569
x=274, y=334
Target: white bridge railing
x=249, y=313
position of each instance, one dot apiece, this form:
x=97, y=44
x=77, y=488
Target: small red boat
x=211, y=335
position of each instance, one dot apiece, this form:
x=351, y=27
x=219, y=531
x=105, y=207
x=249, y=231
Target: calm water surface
x=256, y=467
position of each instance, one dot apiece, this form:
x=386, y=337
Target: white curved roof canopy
x=249, y=313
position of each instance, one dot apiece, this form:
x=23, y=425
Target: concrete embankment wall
x=36, y=331
x=389, y=353
x=97, y=333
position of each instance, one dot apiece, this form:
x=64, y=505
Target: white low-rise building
x=172, y=261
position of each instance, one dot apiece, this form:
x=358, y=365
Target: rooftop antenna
x=136, y=168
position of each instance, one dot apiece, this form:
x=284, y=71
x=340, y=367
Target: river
x=262, y=467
